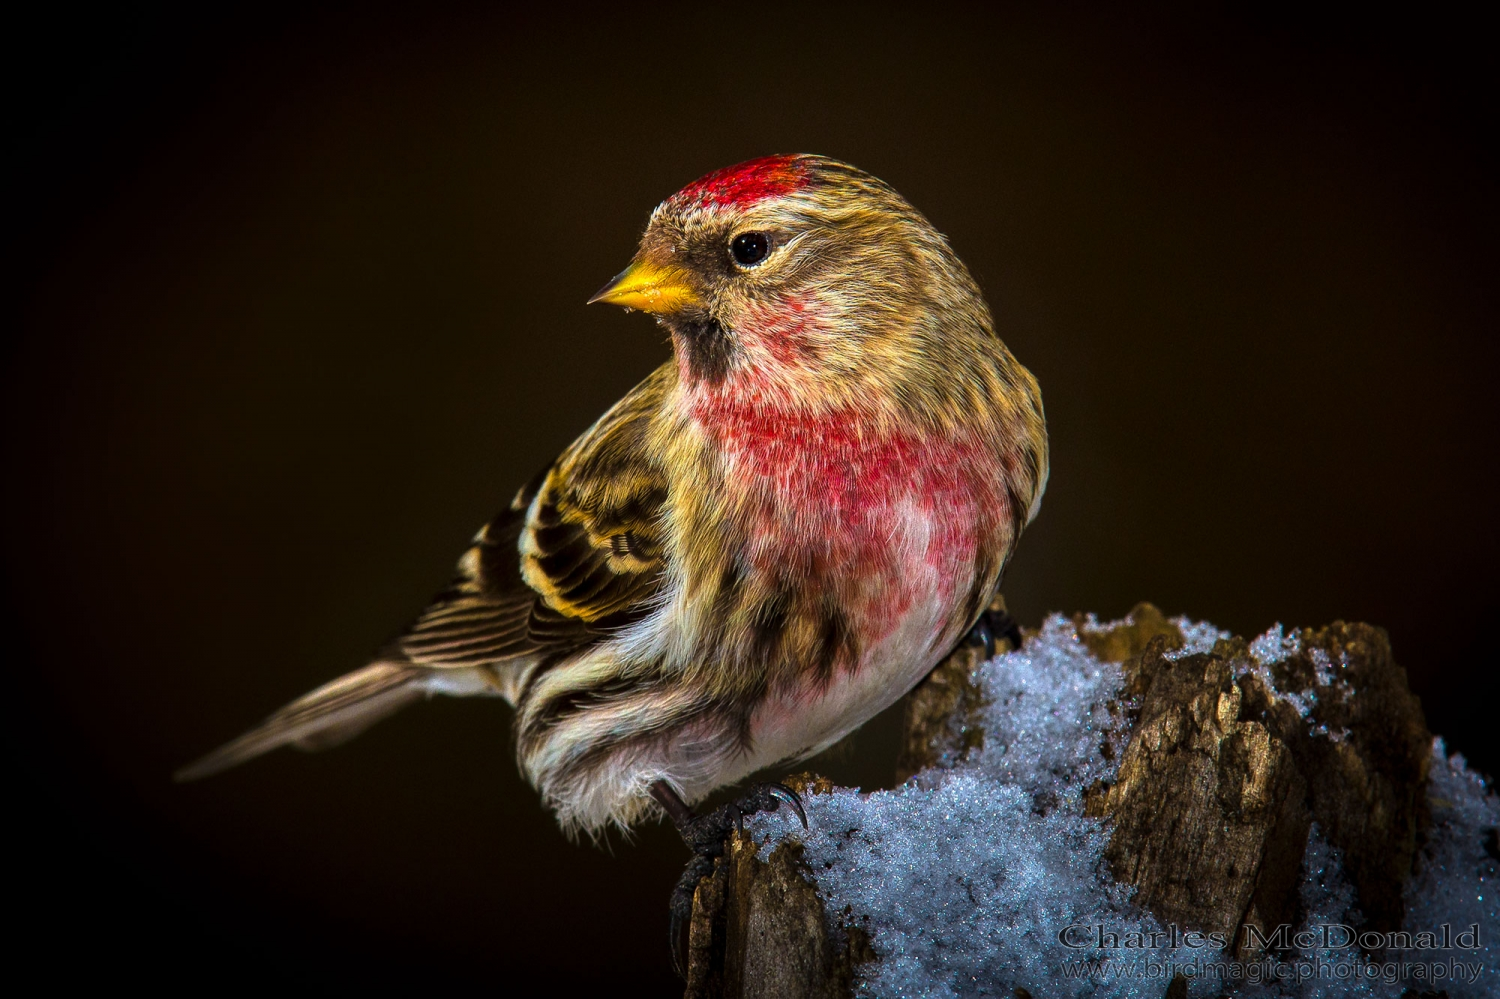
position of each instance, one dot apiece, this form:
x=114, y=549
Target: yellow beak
x=650, y=288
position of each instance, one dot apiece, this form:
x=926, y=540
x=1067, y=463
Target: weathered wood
x=1223, y=775
x=759, y=930
x=1209, y=811
x=1365, y=755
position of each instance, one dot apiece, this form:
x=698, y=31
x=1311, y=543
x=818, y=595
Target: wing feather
x=577, y=554
x=328, y=716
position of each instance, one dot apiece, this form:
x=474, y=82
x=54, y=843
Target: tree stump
x=1230, y=758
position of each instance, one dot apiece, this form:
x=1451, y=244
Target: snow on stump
x=1133, y=808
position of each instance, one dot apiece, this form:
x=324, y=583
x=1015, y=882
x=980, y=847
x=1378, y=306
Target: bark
x=1209, y=811
x=1227, y=764
x=759, y=930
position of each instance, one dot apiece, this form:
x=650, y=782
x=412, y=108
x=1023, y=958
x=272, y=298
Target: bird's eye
x=749, y=248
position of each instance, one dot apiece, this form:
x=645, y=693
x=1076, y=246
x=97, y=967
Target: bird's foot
x=705, y=835
x=994, y=623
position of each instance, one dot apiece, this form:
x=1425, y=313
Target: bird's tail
x=332, y=714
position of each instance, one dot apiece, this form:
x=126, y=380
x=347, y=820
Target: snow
x=1272, y=648
x=965, y=876
x=1459, y=877
x=1275, y=646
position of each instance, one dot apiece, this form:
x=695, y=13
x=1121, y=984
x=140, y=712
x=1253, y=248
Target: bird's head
x=798, y=273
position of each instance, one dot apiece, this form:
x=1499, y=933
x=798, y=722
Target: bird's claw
x=983, y=634
x=705, y=833
x=993, y=622
x=786, y=794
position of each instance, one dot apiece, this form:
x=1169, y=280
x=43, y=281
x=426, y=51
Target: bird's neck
x=790, y=354
x=759, y=411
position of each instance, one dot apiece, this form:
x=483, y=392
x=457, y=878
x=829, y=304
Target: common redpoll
x=766, y=542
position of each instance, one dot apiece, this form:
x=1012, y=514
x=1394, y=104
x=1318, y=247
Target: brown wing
x=578, y=553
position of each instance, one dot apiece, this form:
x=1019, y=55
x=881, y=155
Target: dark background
x=299, y=297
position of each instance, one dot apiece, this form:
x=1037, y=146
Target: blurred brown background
x=299, y=297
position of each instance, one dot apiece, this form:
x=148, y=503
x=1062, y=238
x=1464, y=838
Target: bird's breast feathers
x=835, y=501
x=847, y=556
x=804, y=566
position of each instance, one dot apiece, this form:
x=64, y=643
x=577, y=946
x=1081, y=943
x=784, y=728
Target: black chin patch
x=707, y=347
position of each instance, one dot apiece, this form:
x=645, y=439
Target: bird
x=765, y=543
